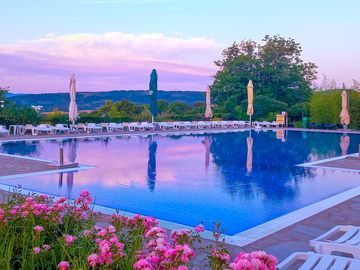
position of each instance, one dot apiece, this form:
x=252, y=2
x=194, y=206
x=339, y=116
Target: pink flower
x=182, y=267
x=37, y=250
x=143, y=265
x=38, y=228
x=13, y=212
x=199, y=228
x=87, y=232
x=84, y=193
x=92, y=259
x=64, y=265
x=46, y=247
x=69, y=239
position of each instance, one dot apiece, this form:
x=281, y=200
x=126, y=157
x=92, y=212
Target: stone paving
x=14, y=165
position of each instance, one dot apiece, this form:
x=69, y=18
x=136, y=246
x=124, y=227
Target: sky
x=114, y=44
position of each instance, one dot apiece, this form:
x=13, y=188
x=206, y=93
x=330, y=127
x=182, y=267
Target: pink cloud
x=108, y=61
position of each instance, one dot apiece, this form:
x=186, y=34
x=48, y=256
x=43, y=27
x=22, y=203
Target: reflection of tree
x=273, y=172
x=23, y=148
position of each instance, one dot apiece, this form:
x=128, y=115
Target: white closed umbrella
x=344, y=115
x=208, y=112
x=250, y=92
x=73, y=111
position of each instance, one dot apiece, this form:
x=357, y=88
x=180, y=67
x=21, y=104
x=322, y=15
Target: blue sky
x=46, y=33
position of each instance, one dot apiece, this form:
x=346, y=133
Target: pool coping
x=239, y=239
x=315, y=164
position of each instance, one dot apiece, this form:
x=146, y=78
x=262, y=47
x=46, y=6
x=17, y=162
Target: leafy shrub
x=37, y=233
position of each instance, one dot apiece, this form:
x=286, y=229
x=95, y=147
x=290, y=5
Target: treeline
x=127, y=111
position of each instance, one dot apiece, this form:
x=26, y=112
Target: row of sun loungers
x=133, y=126
x=340, y=239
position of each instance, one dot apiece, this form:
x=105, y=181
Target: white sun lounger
x=115, y=127
x=203, y=124
x=4, y=131
x=147, y=126
x=92, y=127
x=314, y=261
x=166, y=125
x=62, y=128
x=42, y=128
x=342, y=238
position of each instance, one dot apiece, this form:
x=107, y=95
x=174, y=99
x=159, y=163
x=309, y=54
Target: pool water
x=237, y=178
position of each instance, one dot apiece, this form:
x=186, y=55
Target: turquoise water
x=197, y=178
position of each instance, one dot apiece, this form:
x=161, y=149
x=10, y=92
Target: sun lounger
x=166, y=125
x=147, y=126
x=92, y=127
x=134, y=126
x=115, y=127
x=62, y=128
x=313, y=261
x=42, y=128
x=342, y=238
x=203, y=124
x=4, y=131
x=257, y=125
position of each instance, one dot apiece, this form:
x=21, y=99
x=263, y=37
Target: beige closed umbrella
x=250, y=92
x=73, y=111
x=249, y=156
x=208, y=111
x=344, y=115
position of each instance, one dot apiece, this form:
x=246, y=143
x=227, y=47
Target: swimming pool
x=188, y=179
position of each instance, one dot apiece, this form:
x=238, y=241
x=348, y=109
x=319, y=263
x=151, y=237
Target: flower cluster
x=62, y=234
x=109, y=247
x=257, y=260
x=160, y=253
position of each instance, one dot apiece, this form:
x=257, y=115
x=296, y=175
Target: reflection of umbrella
x=73, y=112
x=72, y=154
x=344, y=115
x=208, y=112
x=60, y=179
x=72, y=151
x=207, y=143
x=151, y=173
x=250, y=92
x=153, y=88
x=344, y=144
x=249, y=157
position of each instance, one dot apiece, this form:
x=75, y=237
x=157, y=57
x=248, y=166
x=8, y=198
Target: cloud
x=113, y=60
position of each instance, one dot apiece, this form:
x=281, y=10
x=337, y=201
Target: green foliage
x=278, y=73
x=325, y=107
x=56, y=117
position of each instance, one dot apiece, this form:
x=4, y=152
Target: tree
x=276, y=68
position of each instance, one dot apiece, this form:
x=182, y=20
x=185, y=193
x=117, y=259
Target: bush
x=37, y=233
x=325, y=107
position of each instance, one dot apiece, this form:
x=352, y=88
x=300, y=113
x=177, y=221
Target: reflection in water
x=72, y=154
x=207, y=144
x=249, y=156
x=151, y=171
x=344, y=144
x=270, y=161
x=187, y=191
x=22, y=148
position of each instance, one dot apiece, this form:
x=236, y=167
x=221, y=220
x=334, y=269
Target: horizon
x=114, y=44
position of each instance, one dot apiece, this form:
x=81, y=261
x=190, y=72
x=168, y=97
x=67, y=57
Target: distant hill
x=94, y=100
x=9, y=95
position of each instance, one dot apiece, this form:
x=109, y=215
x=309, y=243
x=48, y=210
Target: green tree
x=276, y=68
